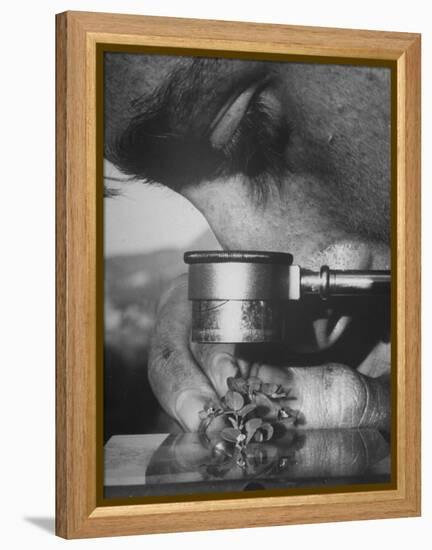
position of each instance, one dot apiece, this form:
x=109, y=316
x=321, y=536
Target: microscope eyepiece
x=241, y=295
x=242, y=256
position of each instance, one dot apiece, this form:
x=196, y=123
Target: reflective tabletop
x=190, y=463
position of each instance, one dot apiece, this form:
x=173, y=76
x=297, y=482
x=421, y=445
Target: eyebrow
x=166, y=140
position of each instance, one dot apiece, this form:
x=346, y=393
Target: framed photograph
x=238, y=274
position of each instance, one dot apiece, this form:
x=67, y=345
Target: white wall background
x=27, y=271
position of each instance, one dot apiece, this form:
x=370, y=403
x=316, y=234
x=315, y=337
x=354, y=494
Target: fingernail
x=244, y=367
x=224, y=367
x=187, y=407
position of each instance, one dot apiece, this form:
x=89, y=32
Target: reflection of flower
x=241, y=407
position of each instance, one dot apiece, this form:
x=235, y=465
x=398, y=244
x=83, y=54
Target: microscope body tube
x=328, y=282
x=265, y=281
x=244, y=296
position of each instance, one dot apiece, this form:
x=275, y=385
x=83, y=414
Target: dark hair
x=167, y=139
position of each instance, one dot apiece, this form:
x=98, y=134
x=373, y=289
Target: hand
x=186, y=377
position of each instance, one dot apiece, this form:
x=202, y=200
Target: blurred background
x=147, y=229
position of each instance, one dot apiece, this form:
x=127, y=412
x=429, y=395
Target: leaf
x=254, y=384
x=230, y=434
x=234, y=400
x=237, y=384
x=231, y=383
x=275, y=391
x=267, y=431
x=270, y=389
x=278, y=395
x=247, y=409
x=265, y=406
x=251, y=427
x=253, y=424
x=233, y=422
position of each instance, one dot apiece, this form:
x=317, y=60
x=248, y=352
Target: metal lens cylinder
x=237, y=321
x=240, y=296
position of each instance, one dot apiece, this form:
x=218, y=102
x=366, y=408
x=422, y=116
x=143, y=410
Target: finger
x=178, y=383
x=218, y=362
x=332, y=396
x=244, y=367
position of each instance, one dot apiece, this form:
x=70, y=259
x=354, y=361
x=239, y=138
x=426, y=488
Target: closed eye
x=229, y=118
x=252, y=134
x=167, y=144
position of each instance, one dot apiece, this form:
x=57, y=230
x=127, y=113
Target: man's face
x=329, y=200
x=277, y=156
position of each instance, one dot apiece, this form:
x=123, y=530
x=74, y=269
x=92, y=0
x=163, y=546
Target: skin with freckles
x=287, y=157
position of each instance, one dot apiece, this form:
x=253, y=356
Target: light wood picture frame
x=80, y=37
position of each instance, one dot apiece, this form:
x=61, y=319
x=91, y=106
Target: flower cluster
x=245, y=406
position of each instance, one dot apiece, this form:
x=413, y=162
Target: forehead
x=144, y=71
x=346, y=94
x=328, y=87
x=349, y=106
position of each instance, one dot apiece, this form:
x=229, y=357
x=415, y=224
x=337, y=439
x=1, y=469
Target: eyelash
x=256, y=149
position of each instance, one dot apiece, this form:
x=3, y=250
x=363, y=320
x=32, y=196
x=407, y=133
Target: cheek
x=285, y=221
x=235, y=221
x=289, y=220
x=238, y=221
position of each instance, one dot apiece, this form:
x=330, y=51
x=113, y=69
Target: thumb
x=333, y=396
x=218, y=362
x=180, y=386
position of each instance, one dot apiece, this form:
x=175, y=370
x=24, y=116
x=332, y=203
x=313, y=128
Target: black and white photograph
x=247, y=251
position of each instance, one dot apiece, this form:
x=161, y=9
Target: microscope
x=242, y=296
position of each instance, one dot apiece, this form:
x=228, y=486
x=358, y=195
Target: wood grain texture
x=236, y=36
x=61, y=162
x=77, y=513
x=412, y=261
